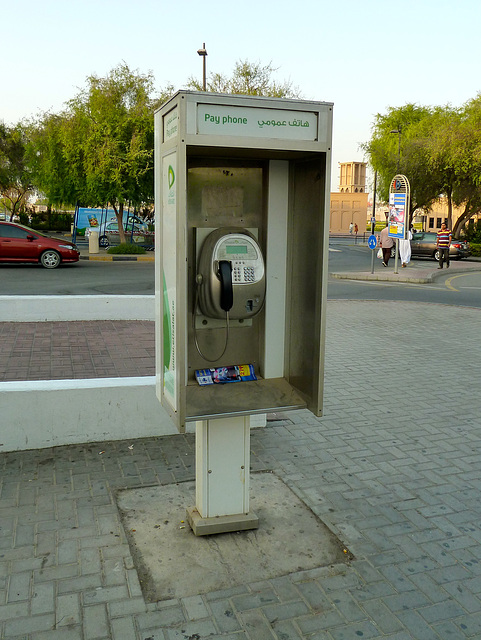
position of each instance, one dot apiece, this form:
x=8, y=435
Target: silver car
x=134, y=233
x=423, y=244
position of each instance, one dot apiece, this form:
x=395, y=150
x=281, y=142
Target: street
x=449, y=288
x=86, y=277
x=89, y=277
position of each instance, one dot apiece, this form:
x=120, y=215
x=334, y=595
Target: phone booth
x=242, y=198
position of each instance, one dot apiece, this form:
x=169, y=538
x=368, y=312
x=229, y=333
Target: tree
x=248, y=78
x=60, y=176
x=113, y=117
x=440, y=153
x=15, y=176
x=444, y=136
x=99, y=151
x=399, y=144
x=466, y=159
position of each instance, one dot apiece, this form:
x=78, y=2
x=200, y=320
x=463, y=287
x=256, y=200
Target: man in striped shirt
x=443, y=242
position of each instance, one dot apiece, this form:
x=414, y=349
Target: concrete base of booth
x=220, y=524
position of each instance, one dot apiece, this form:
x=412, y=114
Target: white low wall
x=47, y=413
x=39, y=414
x=61, y=308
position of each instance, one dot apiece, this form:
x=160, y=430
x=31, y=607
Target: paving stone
x=68, y=610
x=256, y=626
x=43, y=599
x=195, y=608
x=224, y=616
x=19, y=587
x=399, y=485
x=254, y=600
x=95, y=622
x=29, y=625
x=123, y=629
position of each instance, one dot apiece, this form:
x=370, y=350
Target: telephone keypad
x=242, y=272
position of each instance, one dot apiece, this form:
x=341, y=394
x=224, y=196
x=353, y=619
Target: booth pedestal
x=94, y=241
x=222, y=477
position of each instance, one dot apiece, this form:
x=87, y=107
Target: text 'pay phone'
x=230, y=279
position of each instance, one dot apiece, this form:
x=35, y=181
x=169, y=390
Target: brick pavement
x=393, y=468
x=71, y=350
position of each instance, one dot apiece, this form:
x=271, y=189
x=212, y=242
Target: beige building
x=352, y=177
x=438, y=213
x=350, y=204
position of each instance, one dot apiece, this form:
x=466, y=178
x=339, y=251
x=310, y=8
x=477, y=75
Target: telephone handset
x=231, y=275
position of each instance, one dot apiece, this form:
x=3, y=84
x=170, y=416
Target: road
x=130, y=278
x=82, y=278
x=458, y=289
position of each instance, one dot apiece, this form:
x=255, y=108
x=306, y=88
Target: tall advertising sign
x=169, y=242
x=399, y=193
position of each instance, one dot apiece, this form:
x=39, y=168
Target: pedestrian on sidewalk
x=405, y=248
x=443, y=242
x=351, y=227
x=386, y=243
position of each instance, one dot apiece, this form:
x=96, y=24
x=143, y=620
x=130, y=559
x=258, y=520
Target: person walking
x=351, y=227
x=443, y=242
x=386, y=243
x=405, y=248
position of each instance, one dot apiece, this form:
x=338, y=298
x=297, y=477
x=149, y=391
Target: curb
x=118, y=258
x=426, y=278
x=387, y=278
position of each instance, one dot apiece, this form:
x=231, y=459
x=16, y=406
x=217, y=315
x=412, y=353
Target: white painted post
x=222, y=477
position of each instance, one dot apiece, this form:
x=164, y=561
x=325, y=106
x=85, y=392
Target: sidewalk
x=103, y=256
x=76, y=350
x=421, y=271
x=392, y=468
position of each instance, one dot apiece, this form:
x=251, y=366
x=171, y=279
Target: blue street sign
x=372, y=242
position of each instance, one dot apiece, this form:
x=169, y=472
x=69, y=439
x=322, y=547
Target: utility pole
x=202, y=52
x=398, y=131
x=373, y=218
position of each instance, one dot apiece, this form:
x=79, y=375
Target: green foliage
x=472, y=232
x=438, y=149
x=100, y=150
x=49, y=221
x=15, y=174
x=475, y=250
x=114, y=131
x=248, y=78
x=398, y=145
x=127, y=249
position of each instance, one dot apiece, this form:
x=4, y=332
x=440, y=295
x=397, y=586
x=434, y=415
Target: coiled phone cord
x=196, y=302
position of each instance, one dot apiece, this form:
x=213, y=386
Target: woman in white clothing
x=405, y=248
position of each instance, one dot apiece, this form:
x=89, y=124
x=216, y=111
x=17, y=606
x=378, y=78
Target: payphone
x=231, y=275
x=230, y=282
x=242, y=219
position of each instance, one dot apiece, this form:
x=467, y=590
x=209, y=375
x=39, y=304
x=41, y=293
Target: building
x=350, y=204
x=352, y=177
x=431, y=220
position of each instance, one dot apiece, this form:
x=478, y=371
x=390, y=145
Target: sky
x=363, y=56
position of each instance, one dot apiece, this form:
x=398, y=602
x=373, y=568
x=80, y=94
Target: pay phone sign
x=226, y=120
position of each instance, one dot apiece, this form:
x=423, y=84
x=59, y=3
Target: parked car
x=102, y=228
x=136, y=233
x=424, y=244
x=22, y=244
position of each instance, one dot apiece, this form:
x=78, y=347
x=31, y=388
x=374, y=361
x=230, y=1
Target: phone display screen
x=237, y=249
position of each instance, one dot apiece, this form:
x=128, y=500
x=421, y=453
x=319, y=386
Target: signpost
x=398, y=221
x=372, y=244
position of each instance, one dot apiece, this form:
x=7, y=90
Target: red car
x=22, y=244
